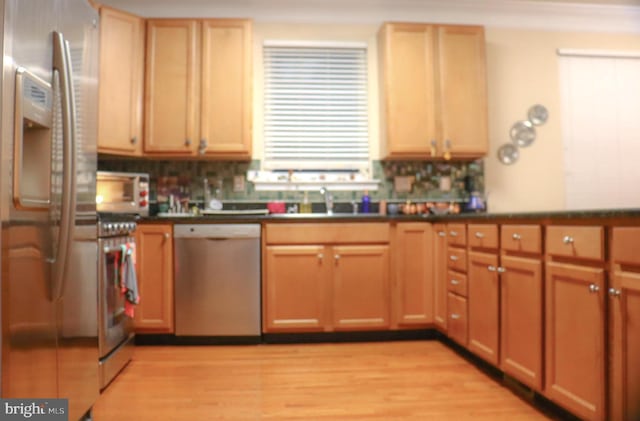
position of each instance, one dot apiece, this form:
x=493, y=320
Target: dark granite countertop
x=541, y=216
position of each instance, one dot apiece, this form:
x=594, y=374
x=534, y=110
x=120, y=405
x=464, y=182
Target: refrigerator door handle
x=62, y=65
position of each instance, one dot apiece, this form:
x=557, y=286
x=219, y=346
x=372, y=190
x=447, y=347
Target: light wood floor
x=421, y=380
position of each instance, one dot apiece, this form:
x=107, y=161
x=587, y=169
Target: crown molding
x=525, y=14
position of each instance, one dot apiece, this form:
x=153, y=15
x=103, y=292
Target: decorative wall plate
x=523, y=133
x=508, y=153
x=538, y=114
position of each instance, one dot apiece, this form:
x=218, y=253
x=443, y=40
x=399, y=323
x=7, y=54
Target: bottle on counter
x=366, y=202
x=305, y=206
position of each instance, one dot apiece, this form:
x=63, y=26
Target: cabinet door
x=625, y=346
x=225, y=118
x=121, y=77
x=414, y=273
x=458, y=320
x=154, y=264
x=407, y=58
x=294, y=288
x=440, y=276
x=484, y=308
x=361, y=287
x=171, y=87
x=521, y=305
x=463, y=91
x=574, y=337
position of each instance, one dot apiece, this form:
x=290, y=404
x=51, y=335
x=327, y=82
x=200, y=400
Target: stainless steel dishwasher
x=217, y=279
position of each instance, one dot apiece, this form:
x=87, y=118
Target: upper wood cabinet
x=121, y=80
x=198, y=88
x=433, y=92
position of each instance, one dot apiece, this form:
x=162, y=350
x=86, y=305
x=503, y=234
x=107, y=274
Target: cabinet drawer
x=456, y=235
x=625, y=245
x=483, y=236
x=327, y=233
x=457, y=323
x=575, y=241
x=457, y=283
x=522, y=238
x=457, y=259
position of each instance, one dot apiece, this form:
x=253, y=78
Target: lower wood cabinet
x=624, y=325
x=440, y=278
x=521, y=311
x=575, y=338
x=457, y=323
x=625, y=346
x=326, y=277
x=296, y=288
x=154, y=269
x=484, y=309
x=414, y=275
x=360, y=284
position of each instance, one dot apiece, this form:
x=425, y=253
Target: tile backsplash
x=445, y=181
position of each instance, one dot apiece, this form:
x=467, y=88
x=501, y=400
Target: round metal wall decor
x=508, y=153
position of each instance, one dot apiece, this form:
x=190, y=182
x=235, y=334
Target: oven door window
x=115, y=191
x=114, y=298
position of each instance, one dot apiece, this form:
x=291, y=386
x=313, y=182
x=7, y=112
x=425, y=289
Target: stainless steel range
x=115, y=327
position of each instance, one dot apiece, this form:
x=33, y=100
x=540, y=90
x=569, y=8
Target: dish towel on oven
x=128, y=279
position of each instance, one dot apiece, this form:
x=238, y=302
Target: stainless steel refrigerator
x=48, y=218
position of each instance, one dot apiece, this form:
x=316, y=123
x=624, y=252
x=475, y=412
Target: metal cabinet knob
x=453, y=258
x=516, y=236
x=134, y=140
x=615, y=293
x=187, y=142
x=453, y=233
x=594, y=288
x=455, y=282
x=434, y=147
x=567, y=239
x=320, y=256
x=492, y=268
x=500, y=269
x=337, y=257
x=479, y=235
x=166, y=235
x=455, y=316
x=442, y=233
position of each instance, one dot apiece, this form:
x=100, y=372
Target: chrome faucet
x=328, y=200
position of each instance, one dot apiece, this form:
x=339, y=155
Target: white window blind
x=316, y=108
x=601, y=129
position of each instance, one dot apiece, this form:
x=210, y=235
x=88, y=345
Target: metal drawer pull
x=615, y=293
x=455, y=282
x=479, y=235
x=500, y=269
x=453, y=233
x=442, y=233
x=453, y=258
x=455, y=316
x=492, y=268
x=516, y=236
x=594, y=288
x=567, y=239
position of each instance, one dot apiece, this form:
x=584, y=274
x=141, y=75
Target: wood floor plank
x=422, y=380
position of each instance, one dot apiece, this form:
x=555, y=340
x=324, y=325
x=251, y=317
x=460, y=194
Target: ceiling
x=562, y=15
